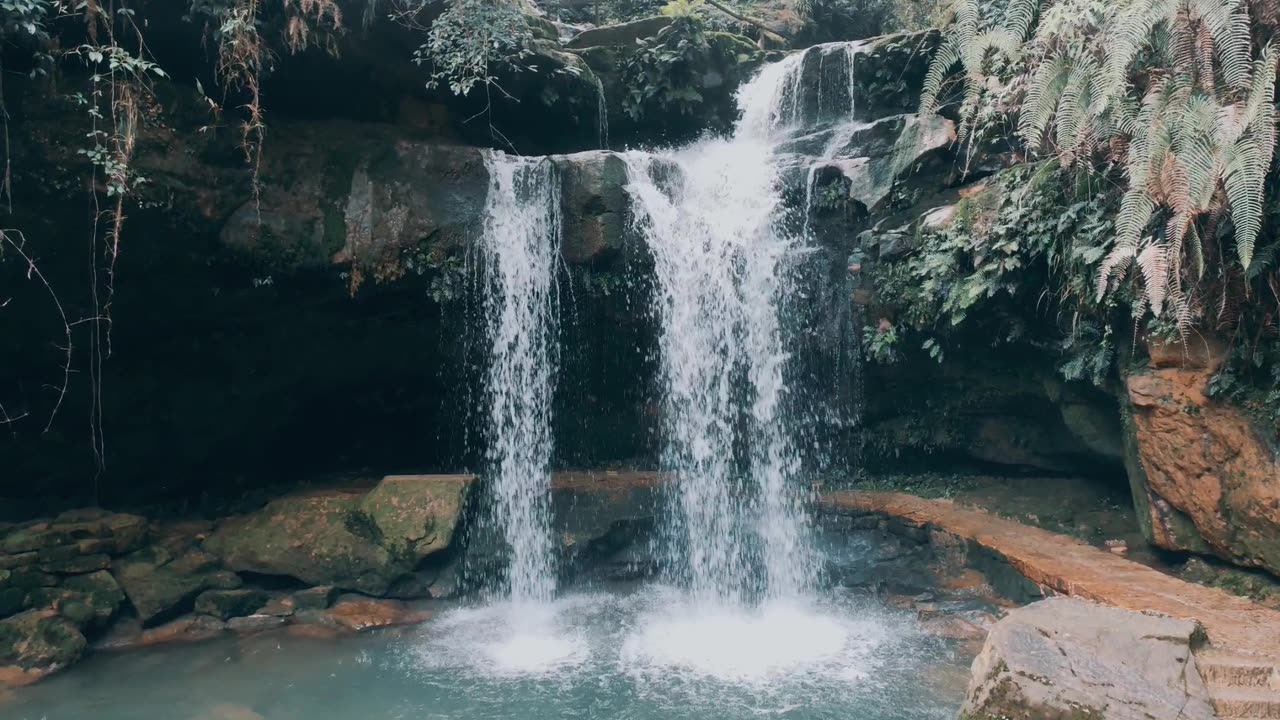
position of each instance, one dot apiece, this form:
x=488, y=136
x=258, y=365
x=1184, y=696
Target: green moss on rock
x=39, y=641
x=354, y=542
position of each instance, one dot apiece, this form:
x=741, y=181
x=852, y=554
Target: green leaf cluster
x=663, y=72
x=1178, y=95
x=473, y=42
x=1013, y=260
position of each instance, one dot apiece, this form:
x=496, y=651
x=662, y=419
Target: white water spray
x=713, y=216
x=521, y=247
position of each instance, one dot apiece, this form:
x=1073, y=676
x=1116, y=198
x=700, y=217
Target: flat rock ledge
x=1073, y=659
x=1068, y=659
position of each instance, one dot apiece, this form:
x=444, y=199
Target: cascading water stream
x=520, y=250
x=602, y=115
x=713, y=216
x=729, y=258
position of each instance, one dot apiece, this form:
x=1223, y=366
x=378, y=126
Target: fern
x=1180, y=93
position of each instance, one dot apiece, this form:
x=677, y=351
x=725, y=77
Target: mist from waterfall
x=520, y=251
x=714, y=219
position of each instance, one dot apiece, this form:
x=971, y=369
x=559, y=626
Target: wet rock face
x=1203, y=478
x=352, y=541
x=1065, y=659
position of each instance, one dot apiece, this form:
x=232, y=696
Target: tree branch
x=722, y=8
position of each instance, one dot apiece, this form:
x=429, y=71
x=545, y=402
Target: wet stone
x=316, y=598
x=8, y=562
x=226, y=604
x=255, y=623
x=77, y=564
x=223, y=580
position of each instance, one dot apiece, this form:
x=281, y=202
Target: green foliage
x=23, y=24
x=836, y=20
x=681, y=9
x=1251, y=378
x=472, y=42
x=1178, y=93
x=1022, y=249
x=663, y=71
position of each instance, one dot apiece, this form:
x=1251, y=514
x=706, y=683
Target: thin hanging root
x=33, y=271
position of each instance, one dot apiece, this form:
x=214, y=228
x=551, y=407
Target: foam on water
x=758, y=646
x=507, y=639
x=649, y=653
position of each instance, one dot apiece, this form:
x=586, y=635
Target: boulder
x=86, y=600
x=156, y=582
x=37, y=643
x=1066, y=659
x=1203, y=478
x=318, y=539
x=62, y=538
x=355, y=613
x=593, y=195
x=355, y=542
x=189, y=628
x=624, y=34
x=316, y=598
x=256, y=623
x=226, y=604
x=416, y=515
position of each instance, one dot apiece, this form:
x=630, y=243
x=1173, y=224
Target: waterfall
x=602, y=115
x=520, y=251
x=713, y=216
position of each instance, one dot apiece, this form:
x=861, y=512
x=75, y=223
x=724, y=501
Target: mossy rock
x=156, y=582
x=316, y=598
x=619, y=35
x=87, y=600
x=416, y=515
x=363, y=543
x=39, y=641
x=318, y=539
x=227, y=604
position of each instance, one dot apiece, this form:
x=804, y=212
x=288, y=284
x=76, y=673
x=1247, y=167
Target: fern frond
x=1043, y=92
x=1154, y=265
x=1228, y=22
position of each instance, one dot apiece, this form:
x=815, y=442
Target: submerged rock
x=228, y=711
x=1066, y=659
x=354, y=613
x=363, y=543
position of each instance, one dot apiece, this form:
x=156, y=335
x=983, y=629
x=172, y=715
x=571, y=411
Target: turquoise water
x=633, y=654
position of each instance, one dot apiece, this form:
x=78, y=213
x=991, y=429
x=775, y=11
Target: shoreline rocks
x=355, y=542
x=1067, y=659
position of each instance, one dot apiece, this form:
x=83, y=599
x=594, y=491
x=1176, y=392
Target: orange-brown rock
x=1204, y=480
x=355, y=614
x=1071, y=567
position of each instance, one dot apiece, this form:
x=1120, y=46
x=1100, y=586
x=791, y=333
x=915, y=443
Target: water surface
x=633, y=654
